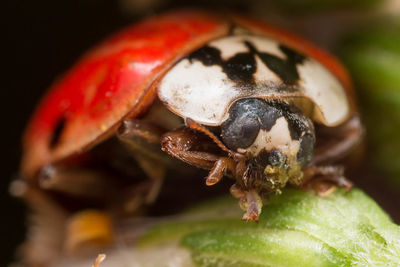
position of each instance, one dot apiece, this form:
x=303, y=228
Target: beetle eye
x=245, y=117
x=241, y=131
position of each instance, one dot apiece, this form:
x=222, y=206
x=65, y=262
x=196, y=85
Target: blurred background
x=44, y=38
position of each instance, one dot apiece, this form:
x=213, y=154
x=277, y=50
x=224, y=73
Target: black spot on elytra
x=242, y=66
x=58, y=130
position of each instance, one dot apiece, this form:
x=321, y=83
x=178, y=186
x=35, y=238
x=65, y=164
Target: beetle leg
x=249, y=201
x=143, y=139
x=155, y=171
x=186, y=145
x=76, y=181
x=195, y=126
x=221, y=166
x=183, y=144
x=339, y=141
x=324, y=179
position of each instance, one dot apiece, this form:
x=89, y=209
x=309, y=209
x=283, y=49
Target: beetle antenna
x=195, y=126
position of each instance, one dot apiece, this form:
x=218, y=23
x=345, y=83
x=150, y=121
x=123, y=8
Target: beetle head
x=277, y=139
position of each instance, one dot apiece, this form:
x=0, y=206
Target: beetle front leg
x=324, y=179
x=184, y=144
x=249, y=201
x=188, y=146
x=221, y=167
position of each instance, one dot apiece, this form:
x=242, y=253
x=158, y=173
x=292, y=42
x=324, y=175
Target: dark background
x=42, y=39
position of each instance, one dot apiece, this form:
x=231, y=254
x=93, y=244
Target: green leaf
x=295, y=229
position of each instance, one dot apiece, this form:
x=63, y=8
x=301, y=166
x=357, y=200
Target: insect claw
x=346, y=184
x=211, y=180
x=324, y=189
x=221, y=166
x=252, y=204
x=214, y=176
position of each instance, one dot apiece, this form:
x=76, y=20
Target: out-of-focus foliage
x=310, y=6
x=295, y=229
x=293, y=7
x=373, y=57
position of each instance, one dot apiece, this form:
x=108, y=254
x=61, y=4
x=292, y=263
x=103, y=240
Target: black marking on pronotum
x=286, y=69
x=58, y=130
x=207, y=55
x=242, y=66
x=239, y=68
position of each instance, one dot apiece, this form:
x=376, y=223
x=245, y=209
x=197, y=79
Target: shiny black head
x=270, y=132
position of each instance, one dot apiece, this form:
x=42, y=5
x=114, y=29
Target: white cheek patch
x=277, y=138
x=325, y=90
x=197, y=92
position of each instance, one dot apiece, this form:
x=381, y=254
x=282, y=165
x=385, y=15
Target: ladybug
x=225, y=93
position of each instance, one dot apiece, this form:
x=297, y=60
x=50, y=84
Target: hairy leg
x=249, y=201
x=325, y=179
x=195, y=149
x=185, y=144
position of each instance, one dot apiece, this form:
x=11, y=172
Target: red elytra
x=118, y=79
